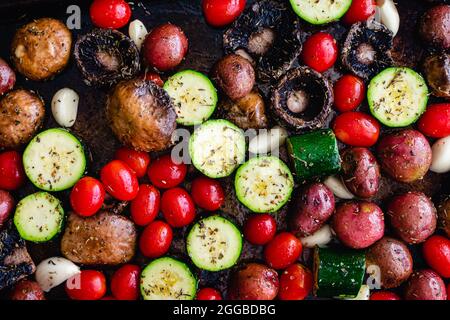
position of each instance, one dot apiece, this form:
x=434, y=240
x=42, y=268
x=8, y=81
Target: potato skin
x=405, y=155
x=314, y=207
x=253, y=281
x=434, y=26
x=247, y=112
x=444, y=215
x=437, y=72
x=361, y=172
x=27, y=290
x=7, y=77
x=6, y=206
x=425, y=285
x=394, y=260
x=413, y=216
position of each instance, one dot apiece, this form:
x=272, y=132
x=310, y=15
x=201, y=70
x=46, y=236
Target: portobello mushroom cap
x=366, y=49
x=269, y=33
x=106, y=56
x=302, y=99
x=437, y=73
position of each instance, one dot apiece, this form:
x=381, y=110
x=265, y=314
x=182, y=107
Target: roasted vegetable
x=437, y=72
x=434, y=26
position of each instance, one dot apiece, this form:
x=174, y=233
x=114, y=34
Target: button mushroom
x=437, y=73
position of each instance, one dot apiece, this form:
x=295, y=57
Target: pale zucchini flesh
x=320, y=11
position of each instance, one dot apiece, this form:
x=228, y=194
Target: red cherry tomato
x=125, y=282
x=282, y=251
x=110, y=14
x=12, y=175
x=138, y=161
x=154, y=77
x=360, y=10
x=177, y=207
x=87, y=285
x=208, y=294
x=448, y=291
x=119, y=180
x=87, y=196
x=436, y=251
x=219, y=13
x=295, y=283
x=156, y=239
x=164, y=173
x=6, y=206
x=207, y=193
x=435, y=122
x=384, y=295
x=145, y=207
x=259, y=229
x=320, y=51
x=356, y=129
x=349, y=92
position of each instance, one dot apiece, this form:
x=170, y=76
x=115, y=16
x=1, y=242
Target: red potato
x=27, y=290
x=7, y=77
x=425, y=285
x=405, y=155
x=412, y=216
x=6, y=206
x=358, y=224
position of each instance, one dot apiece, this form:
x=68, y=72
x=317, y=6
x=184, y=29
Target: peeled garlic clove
x=65, y=107
x=441, y=155
x=53, y=271
x=319, y=238
x=137, y=32
x=338, y=187
x=268, y=140
x=388, y=15
x=363, y=293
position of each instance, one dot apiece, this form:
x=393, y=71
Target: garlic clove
x=65, y=107
x=338, y=187
x=319, y=238
x=441, y=155
x=387, y=13
x=137, y=32
x=53, y=271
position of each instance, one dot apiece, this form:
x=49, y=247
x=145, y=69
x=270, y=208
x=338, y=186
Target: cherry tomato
x=283, y=250
x=125, y=282
x=87, y=285
x=119, y=180
x=356, y=129
x=448, y=291
x=110, y=14
x=436, y=251
x=177, y=207
x=320, y=51
x=384, y=295
x=349, y=92
x=207, y=193
x=259, y=229
x=435, y=122
x=208, y=294
x=156, y=239
x=145, y=206
x=138, y=161
x=12, y=175
x=87, y=196
x=295, y=283
x=360, y=10
x=154, y=77
x=219, y=13
x=6, y=206
x=164, y=173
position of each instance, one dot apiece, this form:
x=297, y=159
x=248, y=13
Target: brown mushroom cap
x=437, y=73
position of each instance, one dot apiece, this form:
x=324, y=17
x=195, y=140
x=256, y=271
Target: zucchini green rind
x=320, y=11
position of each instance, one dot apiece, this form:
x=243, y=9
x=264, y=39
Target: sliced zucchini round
x=320, y=11
x=194, y=96
x=397, y=96
x=54, y=160
x=264, y=184
x=39, y=217
x=217, y=148
x=214, y=244
x=168, y=279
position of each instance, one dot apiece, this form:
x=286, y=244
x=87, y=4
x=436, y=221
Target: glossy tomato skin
x=384, y=295
x=207, y=193
x=164, y=173
x=87, y=196
x=436, y=251
x=110, y=14
x=360, y=10
x=435, y=122
x=259, y=229
x=12, y=175
x=125, y=282
x=296, y=283
x=155, y=239
x=282, y=251
x=145, y=207
x=320, y=51
x=88, y=285
x=219, y=13
x=119, y=180
x=349, y=92
x=356, y=129
x=154, y=77
x=138, y=161
x=208, y=294
x=177, y=207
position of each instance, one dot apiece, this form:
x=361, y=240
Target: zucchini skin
x=335, y=17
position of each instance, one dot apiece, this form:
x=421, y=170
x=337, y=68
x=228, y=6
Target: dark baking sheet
x=205, y=47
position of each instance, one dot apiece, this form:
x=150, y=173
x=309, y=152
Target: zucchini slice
x=214, y=244
x=167, y=279
x=264, y=184
x=39, y=217
x=194, y=96
x=54, y=160
x=217, y=148
x=397, y=96
x=320, y=11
